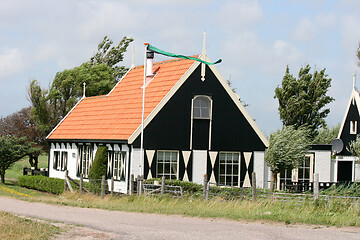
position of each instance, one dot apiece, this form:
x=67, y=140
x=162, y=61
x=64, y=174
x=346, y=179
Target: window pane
x=236, y=169
x=167, y=168
x=197, y=113
x=167, y=156
x=205, y=112
x=173, y=168
x=174, y=156
x=222, y=169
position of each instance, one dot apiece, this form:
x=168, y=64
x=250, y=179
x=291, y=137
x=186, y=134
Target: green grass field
x=13, y=227
x=17, y=169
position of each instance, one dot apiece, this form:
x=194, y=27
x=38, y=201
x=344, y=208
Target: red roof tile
x=117, y=115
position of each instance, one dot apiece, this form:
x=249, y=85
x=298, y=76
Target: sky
x=255, y=39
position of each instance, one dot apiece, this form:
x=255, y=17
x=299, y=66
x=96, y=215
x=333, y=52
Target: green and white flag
x=150, y=47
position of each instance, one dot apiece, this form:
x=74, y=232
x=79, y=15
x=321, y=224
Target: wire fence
x=210, y=191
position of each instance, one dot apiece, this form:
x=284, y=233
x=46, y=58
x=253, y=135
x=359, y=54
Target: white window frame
x=86, y=158
x=60, y=159
x=169, y=175
x=118, y=159
x=193, y=107
x=232, y=174
x=353, y=127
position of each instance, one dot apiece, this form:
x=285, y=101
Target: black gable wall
x=346, y=137
x=170, y=128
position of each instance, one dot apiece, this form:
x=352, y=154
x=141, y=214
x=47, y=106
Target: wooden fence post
x=65, y=183
x=132, y=185
x=112, y=186
x=316, y=186
x=253, y=185
x=205, y=185
x=81, y=182
x=163, y=185
x=103, y=186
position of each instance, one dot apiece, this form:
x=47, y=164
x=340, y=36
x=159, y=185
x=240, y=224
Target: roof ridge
x=169, y=61
x=94, y=97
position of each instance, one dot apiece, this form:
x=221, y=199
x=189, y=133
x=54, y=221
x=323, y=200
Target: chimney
x=149, y=63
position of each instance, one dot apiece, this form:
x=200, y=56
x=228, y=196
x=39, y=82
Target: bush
x=45, y=184
x=98, y=169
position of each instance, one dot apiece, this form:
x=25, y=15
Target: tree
x=326, y=135
x=19, y=125
x=100, y=74
x=98, y=168
x=41, y=112
x=302, y=100
x=354, y=147
x=111, y=56
x=287, y=149
x=66, y=89
x=12, y=149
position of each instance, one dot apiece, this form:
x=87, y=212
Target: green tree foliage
x=112, y=55
x=354, y=147
x=98, y=168
x=20, y=124
x=66, y=89
x=302, y=100
x=287, y=149
x=326, y=135
x=12, y=149
x=41, y=112
x=100, y=74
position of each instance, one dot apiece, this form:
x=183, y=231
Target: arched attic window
x=202, y=107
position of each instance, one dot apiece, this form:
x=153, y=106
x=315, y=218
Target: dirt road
x=124, y=225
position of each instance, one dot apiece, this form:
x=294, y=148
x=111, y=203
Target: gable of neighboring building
x=350, y=125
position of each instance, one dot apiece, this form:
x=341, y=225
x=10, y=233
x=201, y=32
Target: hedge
x=188, y=187
x=45, y=184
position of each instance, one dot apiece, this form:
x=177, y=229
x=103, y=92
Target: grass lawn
x=17, y=169
x=337, y=213
x=13, y=227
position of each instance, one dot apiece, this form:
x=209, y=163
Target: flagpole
x=142, y=114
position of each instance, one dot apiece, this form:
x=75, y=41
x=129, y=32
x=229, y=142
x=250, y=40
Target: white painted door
x=199, y=166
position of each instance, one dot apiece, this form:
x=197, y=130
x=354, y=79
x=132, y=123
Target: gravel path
x=124, y=225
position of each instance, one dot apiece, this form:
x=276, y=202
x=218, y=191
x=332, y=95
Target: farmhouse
x=194, y=124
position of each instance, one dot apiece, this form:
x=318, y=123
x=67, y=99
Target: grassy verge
x=17, y=169
x=337, y=213
x=12, y=227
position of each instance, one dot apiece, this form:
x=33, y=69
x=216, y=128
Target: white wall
x=119, y=186
x=199, y=165
x=261, y=170
x=72, y=151
x=137, y=167
x=322, y=164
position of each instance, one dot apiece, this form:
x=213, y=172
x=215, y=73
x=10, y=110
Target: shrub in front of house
x=41, y=183
x=98, y=169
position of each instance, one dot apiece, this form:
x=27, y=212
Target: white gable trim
x=356, y=97
x=162, y=103
x=180, y=83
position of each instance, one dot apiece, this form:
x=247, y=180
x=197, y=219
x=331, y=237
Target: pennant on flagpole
x=150, y=47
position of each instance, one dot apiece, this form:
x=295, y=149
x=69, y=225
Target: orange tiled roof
x=116, y=116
